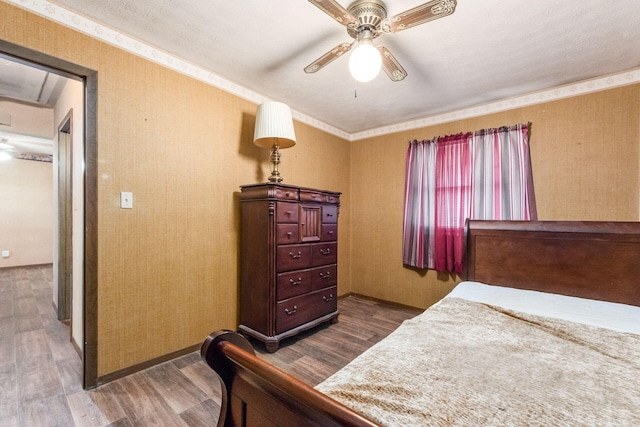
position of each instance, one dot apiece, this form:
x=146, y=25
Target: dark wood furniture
x=289, y=256
x=586, y=259
x=595, y=260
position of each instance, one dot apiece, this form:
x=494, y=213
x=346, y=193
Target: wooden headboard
x=596, y=260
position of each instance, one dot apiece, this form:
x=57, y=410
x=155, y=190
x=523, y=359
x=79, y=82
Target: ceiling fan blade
x=419, y=15
x=391, y=66
x=337, y=12
x=334, y=53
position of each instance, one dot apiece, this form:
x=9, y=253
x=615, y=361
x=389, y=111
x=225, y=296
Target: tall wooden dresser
x=289, y=260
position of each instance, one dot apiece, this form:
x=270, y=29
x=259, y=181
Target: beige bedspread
x=465, y=363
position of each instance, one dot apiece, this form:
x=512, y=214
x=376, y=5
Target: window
x=480, y=175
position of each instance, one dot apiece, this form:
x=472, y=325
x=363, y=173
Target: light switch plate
x=5, y=254
x=126, y=200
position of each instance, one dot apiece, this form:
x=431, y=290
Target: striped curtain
x=453, y=200
x=502, y=180
x=480, y=175
x=419, y=204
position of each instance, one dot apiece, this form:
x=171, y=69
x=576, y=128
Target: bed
x=544, y=330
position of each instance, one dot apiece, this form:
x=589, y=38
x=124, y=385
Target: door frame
x=65, y=217
x=90, y=257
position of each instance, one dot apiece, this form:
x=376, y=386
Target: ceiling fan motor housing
x=369, y=13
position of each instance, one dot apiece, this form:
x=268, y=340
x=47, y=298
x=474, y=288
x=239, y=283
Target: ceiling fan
x=367, y=19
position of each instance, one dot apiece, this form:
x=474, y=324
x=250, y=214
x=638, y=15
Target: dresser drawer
x=293, y=257
x=329, y=232
x=269, y=191
x=323, y=277
x=324, y=253
x=305, y=308
x=286, y=234
x=293, y=283
x=311, y=196
x=286, y=193
x=329, y=214
x=287, y=212
x=333, y=199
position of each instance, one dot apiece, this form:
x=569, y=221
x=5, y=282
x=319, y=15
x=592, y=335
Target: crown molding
x=108, y=35
x=553, y=94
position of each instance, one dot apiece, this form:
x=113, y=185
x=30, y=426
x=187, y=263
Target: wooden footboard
x=597, y=260
x=255, y=393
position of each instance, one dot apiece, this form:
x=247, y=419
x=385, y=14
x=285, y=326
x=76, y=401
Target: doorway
x=89, y=342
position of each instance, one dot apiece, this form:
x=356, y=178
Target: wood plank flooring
x=314, y=355
x=40, y=372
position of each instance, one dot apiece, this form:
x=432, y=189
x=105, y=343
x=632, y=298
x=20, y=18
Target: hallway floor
x=41, y=373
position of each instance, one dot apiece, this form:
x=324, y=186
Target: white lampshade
x=274, y=126
x=365, y=61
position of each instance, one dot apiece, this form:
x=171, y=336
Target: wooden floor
x=40, y=372
x=314, y=355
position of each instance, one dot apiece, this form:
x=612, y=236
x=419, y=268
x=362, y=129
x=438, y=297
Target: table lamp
x=274, y=130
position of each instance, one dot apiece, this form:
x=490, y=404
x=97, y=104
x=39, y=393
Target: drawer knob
x=286, y=194
x=330, y=232
x=327, y=299
x=329, y=214
x=295, y=282
x=295, y=256
x=325, y=276
x=325, y=251
x=288, y=213
x=288, y=234
x=292, y=311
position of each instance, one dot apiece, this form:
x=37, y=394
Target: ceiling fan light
x=365, y=61
x=6, y=155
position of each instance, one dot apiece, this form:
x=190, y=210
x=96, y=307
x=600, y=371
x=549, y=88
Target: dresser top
x=288, y=192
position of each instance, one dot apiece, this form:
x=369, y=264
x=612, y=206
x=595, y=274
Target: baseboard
x=103, y=379
x=381, y=301
x=26, y=266
x=77, y=348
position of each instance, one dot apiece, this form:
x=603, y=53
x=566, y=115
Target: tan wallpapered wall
x=168, y=268
x=585, y=161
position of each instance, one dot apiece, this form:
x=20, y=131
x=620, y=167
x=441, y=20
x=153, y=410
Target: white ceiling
x=486, y=51
x=29, y=84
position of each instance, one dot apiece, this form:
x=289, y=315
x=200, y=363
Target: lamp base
x=275, y=161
